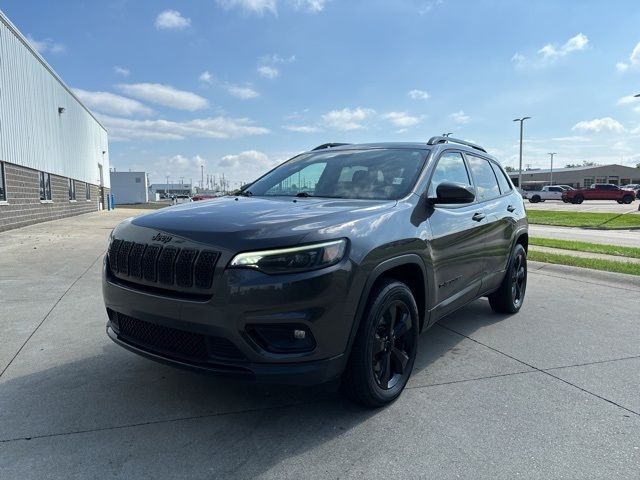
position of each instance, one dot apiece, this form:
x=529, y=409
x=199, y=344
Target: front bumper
x=242, y=299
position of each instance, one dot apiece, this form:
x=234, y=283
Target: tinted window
x=505, y=186
x=484, y=178
x=555, y=189
x=376, y=174
x=45, y=186
x=72, y=189
x=3, y=192
x=450, y=168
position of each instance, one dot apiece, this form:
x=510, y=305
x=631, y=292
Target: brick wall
x=23, y=206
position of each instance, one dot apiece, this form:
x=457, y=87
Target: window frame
x=87, y=191
x=496, y=166
x=72, y=190
x=44, y=183
x=471, y=179
x=469, y=154
x=3, y=182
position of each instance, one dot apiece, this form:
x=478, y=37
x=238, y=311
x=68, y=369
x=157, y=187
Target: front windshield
x=378, y=174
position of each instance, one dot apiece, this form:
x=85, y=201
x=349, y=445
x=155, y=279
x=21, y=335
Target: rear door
x=555, y=193
x=457, y=243
x=499, y=208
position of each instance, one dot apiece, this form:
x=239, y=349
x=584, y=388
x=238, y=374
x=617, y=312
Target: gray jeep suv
x=330, y=265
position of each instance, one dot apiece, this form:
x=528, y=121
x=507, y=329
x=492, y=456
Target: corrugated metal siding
x=32, y=132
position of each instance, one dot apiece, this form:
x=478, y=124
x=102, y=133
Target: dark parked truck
x=599, y=191
x=329, y=266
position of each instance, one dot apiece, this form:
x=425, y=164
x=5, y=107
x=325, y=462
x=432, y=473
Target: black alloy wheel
x=385, y=346
x=510, y=295
x=393, y=345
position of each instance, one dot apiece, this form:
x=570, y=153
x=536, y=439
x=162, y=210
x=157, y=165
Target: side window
x=302, y=181
x=72, y=189
x=87, y=191
x=450, y=168
x=3, y=190
x=505, y=185
x=484, y=178
x=45, y=186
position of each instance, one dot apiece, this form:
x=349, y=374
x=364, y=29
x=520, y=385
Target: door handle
x=478, y=216
x=511, y=208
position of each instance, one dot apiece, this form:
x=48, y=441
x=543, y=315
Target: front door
x=457, y=243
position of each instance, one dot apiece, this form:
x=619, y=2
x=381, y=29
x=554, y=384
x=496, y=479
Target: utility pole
x=551, y=154
x=521, y=120
x=166, y=190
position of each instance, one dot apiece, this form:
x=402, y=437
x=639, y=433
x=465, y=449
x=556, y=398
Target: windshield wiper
x=303, y=194
x=244, y=193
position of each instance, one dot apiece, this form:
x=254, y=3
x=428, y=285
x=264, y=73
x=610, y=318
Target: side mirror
x=449, y=192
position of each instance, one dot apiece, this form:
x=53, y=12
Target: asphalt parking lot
x=553, y=392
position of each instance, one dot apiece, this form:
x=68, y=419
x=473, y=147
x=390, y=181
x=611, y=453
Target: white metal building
x=129, y=188
x=54, y=155
x=579, y=176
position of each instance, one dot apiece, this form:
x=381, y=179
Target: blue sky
x=240, y=85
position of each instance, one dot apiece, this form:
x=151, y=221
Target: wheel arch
x=408, y=269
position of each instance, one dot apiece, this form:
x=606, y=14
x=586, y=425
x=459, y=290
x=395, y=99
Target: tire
x=535, y=199
x=579, y=199
x=510, y=295
x=619, y=201
x=627, y=199
x=381, y=362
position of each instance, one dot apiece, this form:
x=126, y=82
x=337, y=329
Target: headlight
x=294, y=259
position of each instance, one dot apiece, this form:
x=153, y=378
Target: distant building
x=170, y=189
x=579, y=177
x=53, y=152
x=129, y=187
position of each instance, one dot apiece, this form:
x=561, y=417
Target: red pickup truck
x=599, y=191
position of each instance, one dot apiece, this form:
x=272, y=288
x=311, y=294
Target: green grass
x=584, y=219
x=586, y=247
x=596, y=264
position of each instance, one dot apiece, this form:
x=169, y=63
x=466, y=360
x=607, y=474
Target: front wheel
x=579, y=199
x=509, y=297
x=385, y=347
x=627, y=199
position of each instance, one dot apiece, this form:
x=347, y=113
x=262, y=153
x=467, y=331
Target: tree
x=584, y=164
x=511, y=169
x=638, y=165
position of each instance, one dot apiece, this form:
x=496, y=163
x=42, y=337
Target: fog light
x=282, y=338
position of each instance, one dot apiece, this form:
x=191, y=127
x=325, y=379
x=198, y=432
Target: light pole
x=521, y=120
x=551, y=154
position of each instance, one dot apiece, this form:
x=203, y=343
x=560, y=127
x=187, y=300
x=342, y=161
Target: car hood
x=239, y=223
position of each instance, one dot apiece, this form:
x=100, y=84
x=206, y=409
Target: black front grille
x=165, y=266
x=173, y=342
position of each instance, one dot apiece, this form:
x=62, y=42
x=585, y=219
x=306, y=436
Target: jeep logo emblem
x=160, y=237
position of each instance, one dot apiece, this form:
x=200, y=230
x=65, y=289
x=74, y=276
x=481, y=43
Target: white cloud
x=268, y=72
x=251, y=6
x=518, y=58
x=599, y=125
x=206, y=77
x=347, y=119
x=245, y=93
x=460, y=117
x=401, y=119
x=574, y=44
x=634, y=60
x=122, y=129
x=244, y=159
x=572, y=138
x=301, y=128
x=312, y=6
x=172, y=20
x=165, y=95
x=418, y=95
x=112, y=104
x=121, y=71
x=621, y=67
x=46, y=46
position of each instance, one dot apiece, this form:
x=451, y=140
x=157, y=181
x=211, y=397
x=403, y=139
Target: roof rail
x=329, y=145
x=437, y=140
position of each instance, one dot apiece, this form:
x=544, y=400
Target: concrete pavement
x=552, y=392
x=601, y=206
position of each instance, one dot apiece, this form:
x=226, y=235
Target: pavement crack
x=542, y=371
x=49, y=313
x=592, y=363
x=498, y=375
x=160, y=422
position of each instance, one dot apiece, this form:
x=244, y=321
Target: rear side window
x=3, y=192
x=450, y=168
x=484, y=178
x=505, y=185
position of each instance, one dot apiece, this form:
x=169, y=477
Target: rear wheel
x=535, y=199
x=627, y=199
x=509, y=297
x=619, y=201
x=579, y=199
x=385, y=348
